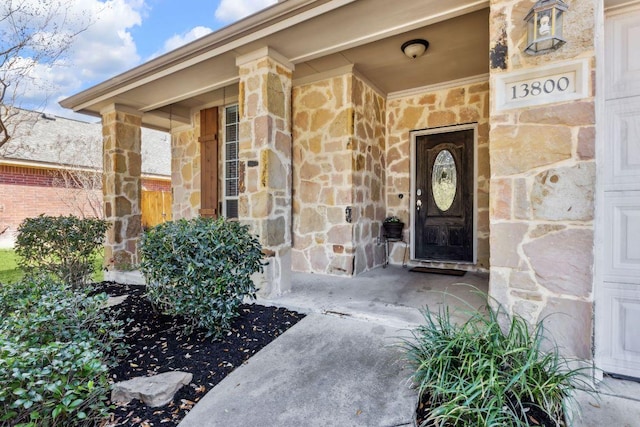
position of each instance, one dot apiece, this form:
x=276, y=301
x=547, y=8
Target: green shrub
x=200, y=269
x=63, y=247
x=477, y=375
x=55, y=348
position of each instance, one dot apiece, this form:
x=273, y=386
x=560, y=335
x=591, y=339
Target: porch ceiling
x=315, y=35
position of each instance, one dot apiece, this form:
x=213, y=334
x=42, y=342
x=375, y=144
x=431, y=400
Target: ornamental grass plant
x=478, y=373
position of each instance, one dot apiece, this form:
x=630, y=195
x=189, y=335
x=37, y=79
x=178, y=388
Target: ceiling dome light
x=415, y=48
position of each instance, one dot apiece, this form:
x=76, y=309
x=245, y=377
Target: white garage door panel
x=619, y=352
x=623, y=62
x=617, y=288
x=622, y=237
x=630, y=319
x=623, y=144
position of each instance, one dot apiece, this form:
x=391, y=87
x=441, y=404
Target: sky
x=121, y=35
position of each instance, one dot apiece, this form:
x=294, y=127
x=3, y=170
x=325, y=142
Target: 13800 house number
x=547, y=84
x=524, y=90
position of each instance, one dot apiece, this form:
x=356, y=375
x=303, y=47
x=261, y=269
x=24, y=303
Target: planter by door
x=393, y=230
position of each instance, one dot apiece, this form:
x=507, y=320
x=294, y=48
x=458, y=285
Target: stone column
x=265, y=161
x=121, y=185
x=543, y=178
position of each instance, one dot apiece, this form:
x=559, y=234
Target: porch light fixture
x=544, y=26
x=415, y=48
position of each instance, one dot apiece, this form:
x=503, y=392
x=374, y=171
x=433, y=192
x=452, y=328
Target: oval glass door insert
x=444, y=180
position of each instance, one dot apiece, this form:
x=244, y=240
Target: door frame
x=412, y=199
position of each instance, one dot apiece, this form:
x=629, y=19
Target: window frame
x=226, y=161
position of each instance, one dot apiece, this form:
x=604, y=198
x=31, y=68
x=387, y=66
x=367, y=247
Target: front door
x=443, y=196
x=618, y=263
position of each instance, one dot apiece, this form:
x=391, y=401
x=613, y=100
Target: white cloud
x=103, y=50
x=233, y=10
x=107, y=48
x=178, y=40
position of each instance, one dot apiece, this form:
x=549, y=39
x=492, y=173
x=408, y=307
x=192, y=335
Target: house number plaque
x=549, y=87
x=542, y=85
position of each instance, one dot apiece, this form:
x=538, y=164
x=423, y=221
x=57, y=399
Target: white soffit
x=329, y=27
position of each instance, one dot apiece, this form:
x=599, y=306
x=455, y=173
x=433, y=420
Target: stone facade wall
x=338, y=163
x=542, y=186
x=323, y=121
x=121, y=187
x=265, y=161
x=185, y=170
x=446, y=107
x=368, y=174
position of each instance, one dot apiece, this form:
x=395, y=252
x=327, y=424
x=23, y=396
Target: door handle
x=418, y=205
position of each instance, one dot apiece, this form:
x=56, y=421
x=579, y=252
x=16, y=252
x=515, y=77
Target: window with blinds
x=231, y=161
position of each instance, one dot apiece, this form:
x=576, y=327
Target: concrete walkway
x=325, y=371
x=616, y=404
x=341, y=365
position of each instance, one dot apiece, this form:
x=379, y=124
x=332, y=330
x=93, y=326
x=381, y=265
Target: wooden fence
x=156, y=207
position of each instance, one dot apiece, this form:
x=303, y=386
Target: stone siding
x=542, y=186
x=368, y=159
x=265, y=161
x=323, y=120
x=185, y=170
x=338, y=163
x=122, y=187
x=446, y=107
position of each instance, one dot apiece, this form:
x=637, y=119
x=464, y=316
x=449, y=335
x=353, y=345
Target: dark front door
x=443, y=208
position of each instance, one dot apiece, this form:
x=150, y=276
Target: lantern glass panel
x=559, y=23
x=545, y=24
x=531, y=29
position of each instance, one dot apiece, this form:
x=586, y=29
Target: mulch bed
x=158, y=345
x=534, y=417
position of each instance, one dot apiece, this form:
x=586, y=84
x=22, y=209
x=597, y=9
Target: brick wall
x=150, y=184
x=17, y=175
x=27, y=192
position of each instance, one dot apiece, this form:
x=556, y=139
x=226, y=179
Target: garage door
x=618, y=287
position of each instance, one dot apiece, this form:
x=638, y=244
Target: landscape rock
x=113, y=301
x=154, y=391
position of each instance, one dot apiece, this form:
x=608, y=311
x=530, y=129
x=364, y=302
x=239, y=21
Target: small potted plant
x=393, y=226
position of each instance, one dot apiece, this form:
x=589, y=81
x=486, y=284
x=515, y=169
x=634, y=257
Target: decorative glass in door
x=444, y=180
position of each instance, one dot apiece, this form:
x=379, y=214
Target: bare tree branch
x=32, y=33
x=80, y=182
x=81, y=191
x=4, y=132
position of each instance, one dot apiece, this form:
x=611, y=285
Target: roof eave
x=186, y=54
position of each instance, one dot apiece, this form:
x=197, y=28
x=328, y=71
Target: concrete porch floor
x=394, y=295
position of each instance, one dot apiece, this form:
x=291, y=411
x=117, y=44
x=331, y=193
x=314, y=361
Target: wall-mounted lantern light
x=414, y=48
x=544, y=26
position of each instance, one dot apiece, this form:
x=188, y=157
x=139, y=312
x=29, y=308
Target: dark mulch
x=534, y=415
x=158, y=345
